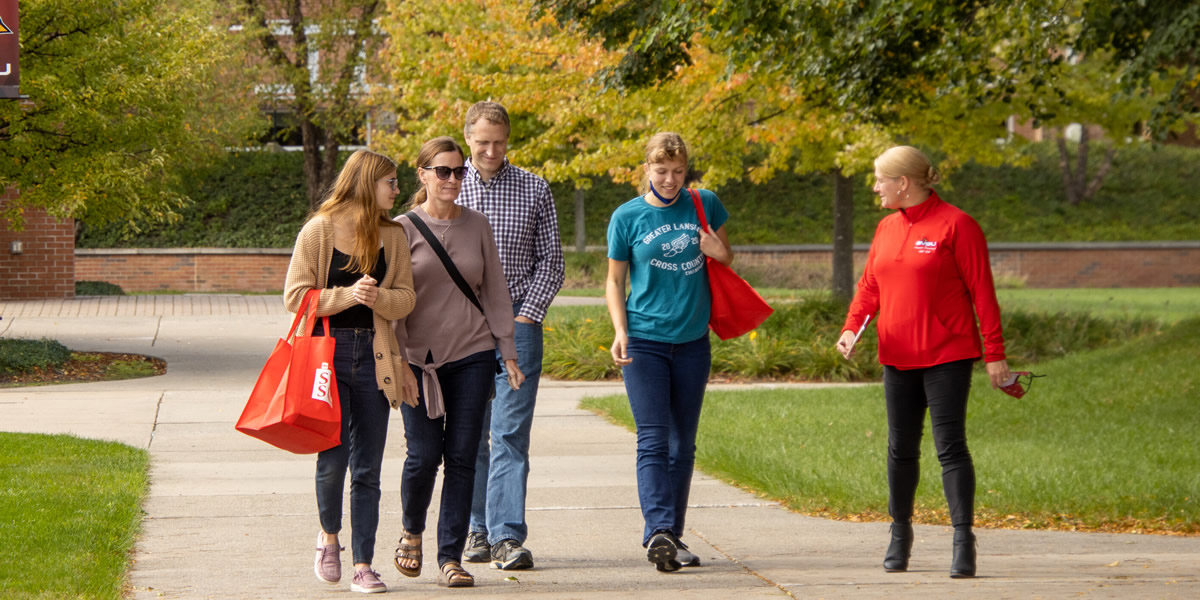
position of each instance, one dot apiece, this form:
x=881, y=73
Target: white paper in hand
x=860, y=332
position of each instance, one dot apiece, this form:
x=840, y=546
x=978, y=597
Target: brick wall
x=45, y=268
x=186, y=269
x=1034, y=265
x=1118, y=264
x=1100, y=265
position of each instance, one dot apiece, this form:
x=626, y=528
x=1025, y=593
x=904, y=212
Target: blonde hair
x=492, y=111
x=663, y=146
x=428, y=151
x=906, y=161
x=352, y=196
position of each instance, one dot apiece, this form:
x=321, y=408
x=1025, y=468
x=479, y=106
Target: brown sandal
x=453, y=575
x=408, y=552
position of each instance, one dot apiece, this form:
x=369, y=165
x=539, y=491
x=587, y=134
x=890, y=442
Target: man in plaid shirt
x=521, y=210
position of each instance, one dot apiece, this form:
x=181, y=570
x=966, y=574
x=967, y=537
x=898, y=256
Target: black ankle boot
x=962, y=564
x=900, y=548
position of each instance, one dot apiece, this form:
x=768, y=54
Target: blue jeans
x=665, y=383
x=466, y=384
x=944, y=390
x=365, y=412
x=502, y=470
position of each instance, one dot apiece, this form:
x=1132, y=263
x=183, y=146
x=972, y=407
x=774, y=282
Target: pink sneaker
x=328, y=563
x=367, y=582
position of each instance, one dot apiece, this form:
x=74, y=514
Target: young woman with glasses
x=451, y=345
x=351, y=251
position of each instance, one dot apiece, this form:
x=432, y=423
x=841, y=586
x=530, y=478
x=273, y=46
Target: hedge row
x=256, y=199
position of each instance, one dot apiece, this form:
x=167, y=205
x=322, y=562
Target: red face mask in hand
x=1015, y=387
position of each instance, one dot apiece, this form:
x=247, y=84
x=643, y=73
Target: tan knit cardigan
x=309, y=269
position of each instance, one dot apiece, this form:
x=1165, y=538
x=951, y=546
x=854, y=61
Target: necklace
x=452, y=217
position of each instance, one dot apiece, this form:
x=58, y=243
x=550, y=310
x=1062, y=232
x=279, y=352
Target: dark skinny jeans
x=365, y=411
x=943, y=389
x=452, y=439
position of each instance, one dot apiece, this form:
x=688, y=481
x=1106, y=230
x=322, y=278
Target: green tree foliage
x=1158, y=44
x=312, y=59
x=121, y=94
x=871, y=58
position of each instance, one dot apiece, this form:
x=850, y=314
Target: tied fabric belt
x=435, y=408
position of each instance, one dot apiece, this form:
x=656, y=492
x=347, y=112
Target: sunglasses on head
x=443, y=173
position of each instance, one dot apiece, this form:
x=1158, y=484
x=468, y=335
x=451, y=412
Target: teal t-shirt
x=668, y=298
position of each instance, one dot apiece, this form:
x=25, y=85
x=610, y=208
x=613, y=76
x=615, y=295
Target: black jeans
x=365, y=411
x=466, y=386
x=943, y=389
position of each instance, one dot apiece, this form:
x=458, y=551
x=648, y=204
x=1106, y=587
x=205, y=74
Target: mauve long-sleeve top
x=445, y=326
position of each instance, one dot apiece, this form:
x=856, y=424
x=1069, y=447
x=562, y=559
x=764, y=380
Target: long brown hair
x=428, y=151
x=353, y=196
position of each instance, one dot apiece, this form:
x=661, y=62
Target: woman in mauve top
x=926, y=280
x=450, y=345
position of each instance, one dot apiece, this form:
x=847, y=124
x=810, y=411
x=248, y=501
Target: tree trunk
x=843, y=237
x=1075, y=180
x=1064, y=165
x=580, y=229
x=312, y=137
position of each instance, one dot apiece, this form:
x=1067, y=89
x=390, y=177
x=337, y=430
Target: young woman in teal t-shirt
x=661, y=342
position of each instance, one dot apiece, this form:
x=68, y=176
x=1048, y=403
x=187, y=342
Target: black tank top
x=359, y=315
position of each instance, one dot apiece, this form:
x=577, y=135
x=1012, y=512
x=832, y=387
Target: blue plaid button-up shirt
x=521, y=209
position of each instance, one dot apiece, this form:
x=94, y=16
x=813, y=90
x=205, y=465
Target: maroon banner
x=10, y=50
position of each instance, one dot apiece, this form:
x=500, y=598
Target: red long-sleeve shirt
x=928, y=276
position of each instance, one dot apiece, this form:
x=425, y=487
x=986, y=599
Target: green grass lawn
x=1106, y=441
x=1166, y=304
x=69, y=512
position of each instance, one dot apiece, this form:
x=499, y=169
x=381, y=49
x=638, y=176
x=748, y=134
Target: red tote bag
x=737, y=308
x=295, y=405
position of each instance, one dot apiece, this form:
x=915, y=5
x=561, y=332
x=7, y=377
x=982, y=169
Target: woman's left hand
x=365, y=291
x=711, y=245
x=998, y=373
x=515, y=376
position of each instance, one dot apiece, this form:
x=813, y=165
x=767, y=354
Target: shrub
x=97, y=288
x=585, y=269
x=798, y=342
x=23, y=355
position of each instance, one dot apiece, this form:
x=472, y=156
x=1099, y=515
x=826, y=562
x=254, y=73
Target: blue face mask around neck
x=667, y=201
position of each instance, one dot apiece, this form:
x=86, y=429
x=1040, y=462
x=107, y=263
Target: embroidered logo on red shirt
x=924, y=246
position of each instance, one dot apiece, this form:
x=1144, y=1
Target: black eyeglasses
x=443, y=173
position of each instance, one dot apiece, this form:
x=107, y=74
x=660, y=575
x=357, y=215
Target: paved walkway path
x=229, y=517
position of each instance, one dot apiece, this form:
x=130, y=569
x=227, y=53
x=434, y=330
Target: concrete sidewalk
x=230, y=517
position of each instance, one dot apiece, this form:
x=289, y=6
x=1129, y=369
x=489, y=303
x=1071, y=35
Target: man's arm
x=548, y=270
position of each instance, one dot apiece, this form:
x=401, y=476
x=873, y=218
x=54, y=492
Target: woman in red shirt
x=926, y=280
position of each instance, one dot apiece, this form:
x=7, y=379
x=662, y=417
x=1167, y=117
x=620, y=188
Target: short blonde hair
x=906, y=161
x=493, y=112
x=663, y=146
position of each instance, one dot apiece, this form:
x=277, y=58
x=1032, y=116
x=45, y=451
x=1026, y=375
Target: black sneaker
x=662, y=551
x=685, y=556
x=508, y=555
x=478, y=549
